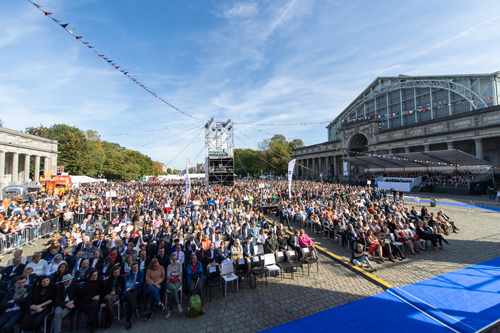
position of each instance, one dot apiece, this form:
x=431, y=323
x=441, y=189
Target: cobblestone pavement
x=251, y=310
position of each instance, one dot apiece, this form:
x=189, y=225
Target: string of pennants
x=399, y=158
x=151, y=130
x=286, y=124
x=110, y=61
x=397, y=114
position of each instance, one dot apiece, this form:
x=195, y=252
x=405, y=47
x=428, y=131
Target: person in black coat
x=211, y=255
x=15, y=301
x=16, y=269
x=90, y=299
x=163, y=259
x=39, y=304
x=101, y=243
x=112, y=289
x=67, y=295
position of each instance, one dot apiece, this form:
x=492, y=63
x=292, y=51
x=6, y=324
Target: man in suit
x=293, y=241
x=67, y=295
x=97, y=260
x=81, y=245
x=133, y=286
x=248, y=251
x=13, y=303
x=14, y=270
x=211, y=255
x=192, y=241
x=163, y=259
x=74, y=264
x=143, y=261
x=101, y=243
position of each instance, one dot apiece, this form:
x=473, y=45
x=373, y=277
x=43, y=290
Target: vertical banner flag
x=188, y=183
x=291, y=166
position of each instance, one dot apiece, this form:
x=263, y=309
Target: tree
x=157, y=168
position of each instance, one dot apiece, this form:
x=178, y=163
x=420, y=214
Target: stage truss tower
x=219, y=153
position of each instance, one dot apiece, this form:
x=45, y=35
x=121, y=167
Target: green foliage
x=273, y=155
x=84, y=153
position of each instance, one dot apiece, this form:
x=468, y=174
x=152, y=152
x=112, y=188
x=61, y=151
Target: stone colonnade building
x=410, y=114
x=18, y=151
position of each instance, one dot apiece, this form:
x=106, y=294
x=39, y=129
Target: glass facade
x=406, y=100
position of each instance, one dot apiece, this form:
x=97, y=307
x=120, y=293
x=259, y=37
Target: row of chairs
x=261, y=265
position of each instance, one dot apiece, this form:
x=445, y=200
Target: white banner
x=291, y=166
x=188, y=183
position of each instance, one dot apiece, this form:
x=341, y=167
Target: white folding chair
x=228, y=275
x=270, y=264
x=259, y=249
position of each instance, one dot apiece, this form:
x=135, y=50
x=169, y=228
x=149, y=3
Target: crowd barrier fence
x=15, y=240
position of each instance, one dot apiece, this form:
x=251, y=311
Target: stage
x=467, y=300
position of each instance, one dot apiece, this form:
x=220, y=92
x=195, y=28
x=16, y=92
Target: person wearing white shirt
x=179, y=254
x=38, y=264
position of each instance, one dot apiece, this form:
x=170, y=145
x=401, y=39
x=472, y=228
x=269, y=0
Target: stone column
x=308, y=170
x=26, y=168
x=390, y=151
x=46, y=164
x=479, y=149
x=2, y=167
x=15, y=167
x=314, y=168
x=407, y=149
x=335, y=166
x=450, y=145
x=36, y=179
x=427, y=147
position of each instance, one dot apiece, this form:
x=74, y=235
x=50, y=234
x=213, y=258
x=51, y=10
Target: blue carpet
x=466, y=300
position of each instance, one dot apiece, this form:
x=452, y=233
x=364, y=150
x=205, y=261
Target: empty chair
x=307, y=258
x=258, y=268
x=259, y=249
x=228, y=274
x=293, y=259
x=242, y=269
x=282, y=263
x=214, y=278
x=270, y=264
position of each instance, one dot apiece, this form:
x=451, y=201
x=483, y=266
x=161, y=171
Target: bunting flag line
x=143, y=86
x=152, y=130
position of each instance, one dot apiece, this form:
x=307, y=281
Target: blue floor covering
x=466, y=300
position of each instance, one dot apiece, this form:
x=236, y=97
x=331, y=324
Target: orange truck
x=58, y=183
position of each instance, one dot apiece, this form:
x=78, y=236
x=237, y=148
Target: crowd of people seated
x=149, y=240
x=435, y=177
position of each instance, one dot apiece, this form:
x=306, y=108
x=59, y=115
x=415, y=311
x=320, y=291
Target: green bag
x=194, y=306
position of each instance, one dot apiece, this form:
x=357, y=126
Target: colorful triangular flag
x=64, y=25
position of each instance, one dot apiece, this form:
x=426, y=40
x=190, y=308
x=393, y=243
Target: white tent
x=77, y=181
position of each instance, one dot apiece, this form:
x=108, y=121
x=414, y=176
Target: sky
x=261, y=64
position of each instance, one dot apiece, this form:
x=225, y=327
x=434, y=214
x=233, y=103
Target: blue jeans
x=155, y=295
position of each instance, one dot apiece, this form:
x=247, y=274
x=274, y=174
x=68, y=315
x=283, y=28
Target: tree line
x=84, y=153
x=272, y=155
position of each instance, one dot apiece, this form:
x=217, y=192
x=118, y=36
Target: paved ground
x=251, y=310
